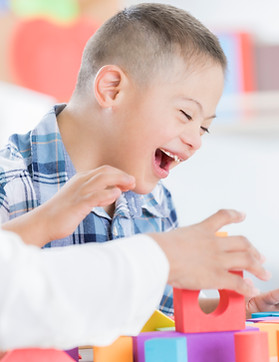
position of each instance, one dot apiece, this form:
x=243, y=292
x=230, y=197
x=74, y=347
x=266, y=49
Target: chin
x=144, y=189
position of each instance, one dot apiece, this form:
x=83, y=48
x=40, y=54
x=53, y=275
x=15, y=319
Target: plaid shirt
x=34, y=166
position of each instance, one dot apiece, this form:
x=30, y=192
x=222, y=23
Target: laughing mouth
x=171, y=155
x=165, y=158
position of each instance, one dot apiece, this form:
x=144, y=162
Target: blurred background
x=41, y=44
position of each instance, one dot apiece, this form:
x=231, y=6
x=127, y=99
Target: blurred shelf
x=248, y=112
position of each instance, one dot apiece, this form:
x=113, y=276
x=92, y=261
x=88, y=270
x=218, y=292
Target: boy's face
x=161, y=126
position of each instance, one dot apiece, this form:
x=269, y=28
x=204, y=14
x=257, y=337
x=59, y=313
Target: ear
x=108, y=84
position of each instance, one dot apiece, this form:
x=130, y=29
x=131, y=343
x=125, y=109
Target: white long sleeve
x=77, y=295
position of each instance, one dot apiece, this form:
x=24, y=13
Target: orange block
x=271, y=329
x=189, y=318
x=119, y=351
x=36, y=355
x=277, y=340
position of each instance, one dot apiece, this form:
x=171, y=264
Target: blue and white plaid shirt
x=34, y=166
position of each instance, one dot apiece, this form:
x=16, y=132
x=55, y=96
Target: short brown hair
x=141, y=37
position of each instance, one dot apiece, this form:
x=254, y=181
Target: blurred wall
x=256, y=16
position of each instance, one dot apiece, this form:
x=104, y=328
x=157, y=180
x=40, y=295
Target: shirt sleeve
x=79, y=295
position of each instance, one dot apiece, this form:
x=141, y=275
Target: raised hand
x=199, y=259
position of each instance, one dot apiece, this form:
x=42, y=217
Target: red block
x=189, y=318
x=251, y=347
x=36, y=355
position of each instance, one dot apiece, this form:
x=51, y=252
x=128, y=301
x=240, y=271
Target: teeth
x=175, y=157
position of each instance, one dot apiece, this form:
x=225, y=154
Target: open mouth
x=163, y=160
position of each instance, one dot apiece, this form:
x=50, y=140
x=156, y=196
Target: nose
x=191, y=136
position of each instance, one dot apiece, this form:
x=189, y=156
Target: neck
x=81, y=138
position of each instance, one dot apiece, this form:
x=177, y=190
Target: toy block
x=271, y=329
x=277, y=339
x=189, y=318
x=167, y=329
x=119, y=351
x=166, y=350
x=157, y=320
x=264, y=320
x=251, y=347
x=73, y=353
x=209, y=347
x=265, y=314
x=35, y=355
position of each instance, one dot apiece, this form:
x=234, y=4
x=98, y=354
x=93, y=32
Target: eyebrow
x=200, y=107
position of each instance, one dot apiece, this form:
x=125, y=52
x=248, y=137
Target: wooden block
x=189, y=318
x=251, y=347
x=157, y=320
x=36, y=355
x=166, y=350
x=119, y=351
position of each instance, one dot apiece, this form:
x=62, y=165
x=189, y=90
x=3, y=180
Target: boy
x=147, y=90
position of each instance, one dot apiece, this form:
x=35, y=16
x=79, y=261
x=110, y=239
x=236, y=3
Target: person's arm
x=79, y=295
x=60, y=216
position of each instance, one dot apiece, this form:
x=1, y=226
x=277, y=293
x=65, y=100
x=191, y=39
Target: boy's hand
x=75, y=200
x=201, y=260
x=265, y=302
x=60, y=216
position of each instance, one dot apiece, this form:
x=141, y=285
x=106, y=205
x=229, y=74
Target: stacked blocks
x=201, y=347
x=206, y=337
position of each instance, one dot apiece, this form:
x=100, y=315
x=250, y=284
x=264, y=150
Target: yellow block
x=157, y=320
x=119, y=351
x=271, y=329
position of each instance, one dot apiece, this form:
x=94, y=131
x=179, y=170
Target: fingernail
x=268, y=275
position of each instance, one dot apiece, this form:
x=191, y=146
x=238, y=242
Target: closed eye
x=186, y=115
x=204, y=129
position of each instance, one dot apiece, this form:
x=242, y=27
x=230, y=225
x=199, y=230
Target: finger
x=104, y=197
x=245, y=261
x=271, y=297
x=103, y=170
x=222, y=218
x=109, y=180
x=239, y=243
x=237, y=283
